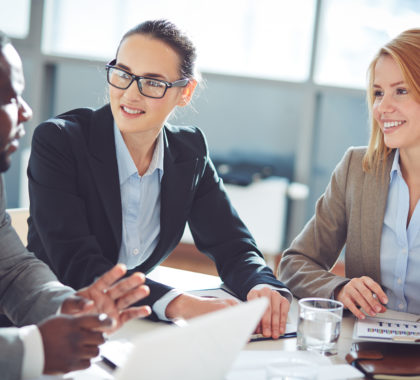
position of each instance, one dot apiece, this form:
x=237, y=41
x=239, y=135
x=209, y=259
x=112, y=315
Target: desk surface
x=185, y=280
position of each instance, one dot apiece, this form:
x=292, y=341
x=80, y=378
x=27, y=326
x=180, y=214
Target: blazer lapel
x=178, y=182
x=374, y=199
x=104, y=165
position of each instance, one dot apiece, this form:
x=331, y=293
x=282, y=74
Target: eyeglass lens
x=149, y=87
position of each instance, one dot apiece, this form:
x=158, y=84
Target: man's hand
x=70, y=342
x=273, y=322
x=365, y=293
x=187, y=306
x=112, y=297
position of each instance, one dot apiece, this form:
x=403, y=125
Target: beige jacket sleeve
x=351, y=213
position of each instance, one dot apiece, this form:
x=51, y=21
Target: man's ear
x=187, y=93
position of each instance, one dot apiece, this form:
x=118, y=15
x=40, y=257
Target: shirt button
x=136, y=251
x=401, y=306
x=399, y=281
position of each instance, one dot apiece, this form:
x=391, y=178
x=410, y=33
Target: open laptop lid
x=204, y=349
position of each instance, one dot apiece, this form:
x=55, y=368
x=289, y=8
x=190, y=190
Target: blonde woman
x=370, y=204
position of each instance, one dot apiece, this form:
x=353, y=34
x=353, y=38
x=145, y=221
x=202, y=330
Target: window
x=352, y=31
x=14, y=19
x=260, y=38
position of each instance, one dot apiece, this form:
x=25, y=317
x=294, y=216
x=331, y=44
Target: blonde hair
x=405, y=50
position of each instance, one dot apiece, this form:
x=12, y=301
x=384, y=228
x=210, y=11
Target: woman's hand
x=363, y=293
x=187, y=306
x=273, y=322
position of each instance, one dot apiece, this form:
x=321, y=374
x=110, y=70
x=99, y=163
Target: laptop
x=204, y=349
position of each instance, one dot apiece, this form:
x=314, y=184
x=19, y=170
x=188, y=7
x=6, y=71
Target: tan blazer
x=351, y=213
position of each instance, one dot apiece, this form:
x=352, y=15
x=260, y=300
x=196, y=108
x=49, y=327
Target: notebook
x=388, y=330
x=204, y=349
x=391, y=326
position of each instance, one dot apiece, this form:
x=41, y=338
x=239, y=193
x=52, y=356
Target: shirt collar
x=126, y=166
x=395, y=169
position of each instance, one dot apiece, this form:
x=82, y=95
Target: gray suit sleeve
x=11, y=357
x=29, y=291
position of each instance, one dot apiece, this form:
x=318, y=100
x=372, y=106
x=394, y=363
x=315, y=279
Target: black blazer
x=75, y=204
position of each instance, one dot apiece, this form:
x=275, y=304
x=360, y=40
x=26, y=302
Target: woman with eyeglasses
x=118, y=184
x=372, y=201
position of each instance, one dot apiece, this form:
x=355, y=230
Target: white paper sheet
x=251, y=365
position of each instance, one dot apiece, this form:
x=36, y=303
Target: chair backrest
x=19, y=218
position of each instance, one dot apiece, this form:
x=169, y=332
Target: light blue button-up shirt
x=140, y=197
x=400, y=247
x=140, y=202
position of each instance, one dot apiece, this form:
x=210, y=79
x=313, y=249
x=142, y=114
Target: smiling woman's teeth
x=390, y=124
x=131, y=111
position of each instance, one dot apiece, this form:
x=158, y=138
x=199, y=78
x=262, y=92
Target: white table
x=186, y=280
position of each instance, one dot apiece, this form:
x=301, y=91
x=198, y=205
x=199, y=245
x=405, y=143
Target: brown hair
x=168, y=33
x=405, y=50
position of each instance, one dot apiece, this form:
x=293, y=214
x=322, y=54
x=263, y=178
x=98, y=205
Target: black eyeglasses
x=150, y=87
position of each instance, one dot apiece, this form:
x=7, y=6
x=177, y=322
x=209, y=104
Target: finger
x=86, y=337
x=132, y=296
x=363, y=296
x=89, y=351
x=104, y=282
x=349, y=304
x=97, y=292
x=344, y=296
x=378, y=297
x=275, y=314
x=351, y=293
x=284, y=311
x=135, y=312
x=123, y=286
x=266, y=320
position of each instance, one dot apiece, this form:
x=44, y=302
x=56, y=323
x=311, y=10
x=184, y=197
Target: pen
x=403, y=339
x=108, y=362
x=260, y=337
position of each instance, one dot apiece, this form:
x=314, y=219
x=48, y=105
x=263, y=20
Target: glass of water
x=319, y=325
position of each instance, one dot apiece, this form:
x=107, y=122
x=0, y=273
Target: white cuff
x=159, y=307
x=283, y=291
x=33, y=352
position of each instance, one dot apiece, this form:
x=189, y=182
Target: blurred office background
x=283, y=81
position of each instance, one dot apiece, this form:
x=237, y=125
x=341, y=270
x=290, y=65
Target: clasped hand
x=112, y=297
x=71, y=340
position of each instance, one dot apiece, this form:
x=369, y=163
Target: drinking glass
x=319, y=325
